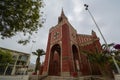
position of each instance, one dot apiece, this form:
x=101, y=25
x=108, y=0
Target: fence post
x=6, y=68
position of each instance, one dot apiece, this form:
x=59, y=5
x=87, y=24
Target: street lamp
x=86, y=8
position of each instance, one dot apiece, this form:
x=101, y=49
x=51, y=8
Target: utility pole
x=86, y=8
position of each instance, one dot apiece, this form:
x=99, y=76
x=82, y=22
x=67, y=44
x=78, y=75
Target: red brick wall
x=86, y=66
x=46, y=65
x=67, y=64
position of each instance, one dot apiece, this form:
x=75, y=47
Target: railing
x=8, y=69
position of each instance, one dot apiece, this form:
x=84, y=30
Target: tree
x=38, y=53
x=101, y=60
x=5, y=57
x=117, y=46
x=20, y=16
x=113, y=50
x=104, y=58
x=96, y=57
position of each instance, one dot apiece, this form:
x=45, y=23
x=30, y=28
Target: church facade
x=64, y=55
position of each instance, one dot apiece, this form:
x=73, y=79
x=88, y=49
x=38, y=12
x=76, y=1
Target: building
x=20, y=64
x=64, y=55
x=31, y=68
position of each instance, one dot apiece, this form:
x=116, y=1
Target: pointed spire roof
x=62, y=16
x=94, y=33
x=62, y=12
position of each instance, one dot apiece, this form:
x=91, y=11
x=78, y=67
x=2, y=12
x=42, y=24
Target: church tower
x=62, y=56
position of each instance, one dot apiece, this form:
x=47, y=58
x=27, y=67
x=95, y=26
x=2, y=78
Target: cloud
x=77, y=9
x=106, y=14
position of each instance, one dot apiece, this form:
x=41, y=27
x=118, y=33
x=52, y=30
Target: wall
x=117, y=77
x=20, y=77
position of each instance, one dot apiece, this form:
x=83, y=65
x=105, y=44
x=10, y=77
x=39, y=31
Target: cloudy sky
x=105, y=12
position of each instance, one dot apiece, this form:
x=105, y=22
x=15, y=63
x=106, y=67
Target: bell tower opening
x=55, y=60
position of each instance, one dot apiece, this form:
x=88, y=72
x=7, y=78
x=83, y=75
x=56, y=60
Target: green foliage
x=100, y=59
x=105, y=56
x=96, y=57
x=24, y=42
x=112, y=64
x=5, y=57
x=20, y=16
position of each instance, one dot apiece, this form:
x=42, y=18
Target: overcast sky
x=105, y=12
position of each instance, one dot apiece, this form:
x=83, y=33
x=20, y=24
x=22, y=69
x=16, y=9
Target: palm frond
x=34, y=53
x=40, y=52
x=86, y=52
x=111, y=44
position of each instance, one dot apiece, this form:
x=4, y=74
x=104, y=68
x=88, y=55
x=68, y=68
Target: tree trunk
x=37, y=64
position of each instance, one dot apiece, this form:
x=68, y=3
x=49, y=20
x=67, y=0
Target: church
x=64, y=56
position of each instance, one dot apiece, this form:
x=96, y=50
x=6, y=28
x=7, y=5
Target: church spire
x=62, y=12
x=62, y=16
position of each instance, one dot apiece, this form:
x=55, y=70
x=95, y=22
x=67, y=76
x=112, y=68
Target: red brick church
x=64, y=56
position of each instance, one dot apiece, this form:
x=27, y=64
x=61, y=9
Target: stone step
x=72, y=78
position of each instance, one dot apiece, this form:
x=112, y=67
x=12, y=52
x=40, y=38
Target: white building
x=20, y=65
x=31, y=69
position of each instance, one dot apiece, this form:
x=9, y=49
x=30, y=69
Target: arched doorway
x=54, y=64
x=75, y=58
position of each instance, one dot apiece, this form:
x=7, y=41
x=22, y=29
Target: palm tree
x=38, y=53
